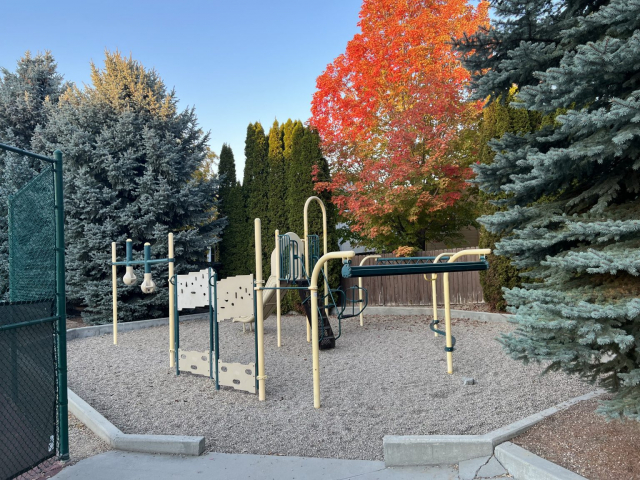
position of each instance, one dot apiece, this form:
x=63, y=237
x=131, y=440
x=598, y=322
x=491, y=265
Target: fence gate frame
x=60, y=318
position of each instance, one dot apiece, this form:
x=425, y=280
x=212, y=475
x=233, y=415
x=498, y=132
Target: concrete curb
x=103, y=428
x=514, y=429
x=107, y=329
x=427, y=310
x=524, y=465
x=419, y=450
x=414, y=450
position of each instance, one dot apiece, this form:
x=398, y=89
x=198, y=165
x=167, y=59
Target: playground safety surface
x=386, y=378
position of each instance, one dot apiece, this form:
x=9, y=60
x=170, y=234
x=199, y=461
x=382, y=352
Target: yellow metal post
x=360, y=285
x=172, y=320
x=306, y=243
x=278, y=275
x=447, y=306
x=304, y=249
x=434, y=277
x=259, y=311
x=114, y=279
x=315, y=334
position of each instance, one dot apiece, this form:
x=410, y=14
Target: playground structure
x=427, y=265
x=247, y=300
x=226, y=299
x=147, y=286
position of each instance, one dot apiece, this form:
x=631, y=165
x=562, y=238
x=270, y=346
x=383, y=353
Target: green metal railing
x=380, y=270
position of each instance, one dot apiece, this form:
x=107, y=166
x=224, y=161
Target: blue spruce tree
x=130, y=163
x=23, y=95
x=571, y=187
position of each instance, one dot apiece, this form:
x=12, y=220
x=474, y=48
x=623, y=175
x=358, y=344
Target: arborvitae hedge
x=233, y=244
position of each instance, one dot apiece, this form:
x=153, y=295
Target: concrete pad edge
x=107, y=329
x=428, y=310
x=512, y=430
x=524, y=465
x=414, y=450
x=103, y=428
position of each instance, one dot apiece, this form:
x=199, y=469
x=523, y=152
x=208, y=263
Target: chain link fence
x=29, y=348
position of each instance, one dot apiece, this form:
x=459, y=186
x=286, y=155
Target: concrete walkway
x=138, y=466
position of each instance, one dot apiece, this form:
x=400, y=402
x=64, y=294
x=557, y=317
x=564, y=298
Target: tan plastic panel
x=193, y=290
x=235, y=294
x=235, y=297
x=238, y=376
x=196, y=363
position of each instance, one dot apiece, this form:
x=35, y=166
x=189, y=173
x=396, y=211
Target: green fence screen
x=32, y=360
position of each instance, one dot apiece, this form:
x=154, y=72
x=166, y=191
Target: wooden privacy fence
x=414, y=289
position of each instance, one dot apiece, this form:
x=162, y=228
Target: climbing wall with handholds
x=235, y=294
x=235, y=375
x=193, y=290
x=235, y=297
x=238, y=376
x=197, y=363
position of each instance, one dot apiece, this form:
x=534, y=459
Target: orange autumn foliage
x=390, y=108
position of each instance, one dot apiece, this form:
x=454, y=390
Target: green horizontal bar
x=409, y=260
x=142, y=262
x=384, y=270
x=285, y=288
x=28, y=154
x=28, y=324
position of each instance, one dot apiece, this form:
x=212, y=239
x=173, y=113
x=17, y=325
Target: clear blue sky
x=236, y=61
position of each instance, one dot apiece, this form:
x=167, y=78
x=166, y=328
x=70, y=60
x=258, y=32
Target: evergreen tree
x=287, y=128
x=255, y=191
x=130, y=163
x=232, y=246
x=571, y=206
x=499, y=118
x=277, y=214
x=299, y=178
x=23, y=95
x=305, y=167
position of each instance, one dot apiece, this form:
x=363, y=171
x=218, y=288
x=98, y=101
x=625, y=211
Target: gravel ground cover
x=386, y=378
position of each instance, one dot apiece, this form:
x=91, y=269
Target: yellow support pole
x=172, y=320
x=304, y=248
x=434, y=277
x=259, y=311
x=114, y=279
x=306, y=243
x=447, y=306
x=360, y=285
x=277, y=273
x=315, y=335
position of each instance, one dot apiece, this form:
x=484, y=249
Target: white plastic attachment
x=148, y=285
x=130, y=277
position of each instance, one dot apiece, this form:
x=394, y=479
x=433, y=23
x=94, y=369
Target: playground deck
x=386, y=378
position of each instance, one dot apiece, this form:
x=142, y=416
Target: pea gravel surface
x=386, y=378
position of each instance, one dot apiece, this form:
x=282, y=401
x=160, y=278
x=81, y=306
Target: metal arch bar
x=383, y=270
x=361, y=287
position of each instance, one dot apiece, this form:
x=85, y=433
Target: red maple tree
x=390, y=112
